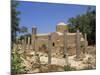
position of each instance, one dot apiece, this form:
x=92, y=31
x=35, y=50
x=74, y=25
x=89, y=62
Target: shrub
x=16, y=66
x=68, y=68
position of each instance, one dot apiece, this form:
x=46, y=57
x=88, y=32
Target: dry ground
x=37, y=64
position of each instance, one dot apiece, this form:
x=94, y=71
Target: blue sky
x=45, y=16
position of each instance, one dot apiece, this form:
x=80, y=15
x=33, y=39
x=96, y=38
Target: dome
x=33, y=26
x=61, y=23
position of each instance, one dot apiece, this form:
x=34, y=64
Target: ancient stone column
x=49, y=49
x=25, y=43
x=23, y=48
x=28, y=43
x=14, y=48
x=34, y=32
x=28, y=40
x=85, y=44
x=35, y=45
x=65, y=48
x=18, y=44
x=78, y=44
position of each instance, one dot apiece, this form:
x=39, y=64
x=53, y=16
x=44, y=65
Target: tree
x=85, y=23
x=23, y=29
x=14, y=20
x=15, y=58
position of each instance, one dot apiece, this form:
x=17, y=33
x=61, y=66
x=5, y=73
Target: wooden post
x=77, y=44
x=65, y=48
x=49, y=49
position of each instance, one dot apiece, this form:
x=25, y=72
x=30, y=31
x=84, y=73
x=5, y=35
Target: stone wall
x=57, y=43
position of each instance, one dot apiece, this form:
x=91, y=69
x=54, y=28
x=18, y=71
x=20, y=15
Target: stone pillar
x=14, y=48
x=34, y=32
x=65, y=48
x=28, y=40
x=23, y=48
x=85, y=44
x=78, y=44
x=35, y=45
x=18, y=44
x=21, y=44
x=25, y=43
x=29, y=43
x=49, y=49
x=24, y=39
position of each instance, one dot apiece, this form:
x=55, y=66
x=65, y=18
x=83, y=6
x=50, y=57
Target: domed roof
x=61, y=23
x=33, y=26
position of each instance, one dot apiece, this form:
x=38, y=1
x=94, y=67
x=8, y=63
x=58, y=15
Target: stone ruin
x=56, y=49
x=58, y=43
